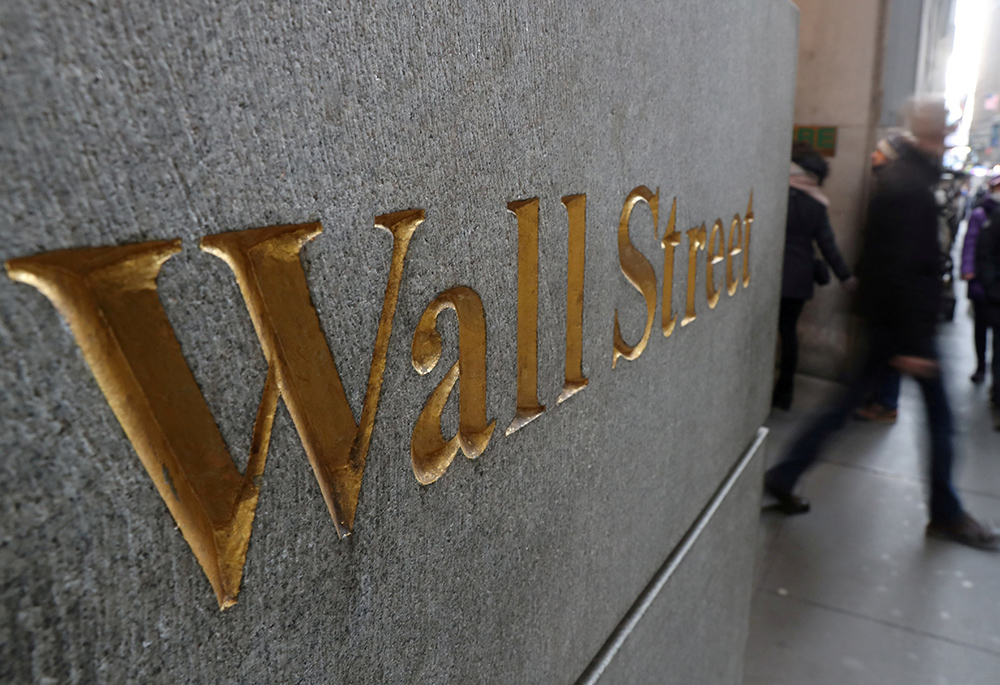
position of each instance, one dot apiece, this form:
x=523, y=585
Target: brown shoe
x=876, y=413
x=966, y=531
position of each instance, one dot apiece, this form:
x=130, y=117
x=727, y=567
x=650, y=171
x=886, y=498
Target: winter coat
x=899, y=272
x=976, y=222
x=987, y=264
x=807, y=221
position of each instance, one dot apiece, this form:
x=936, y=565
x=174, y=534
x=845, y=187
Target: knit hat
x=810, y=160
x=888, y=149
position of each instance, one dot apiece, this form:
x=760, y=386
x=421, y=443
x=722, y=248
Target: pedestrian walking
x=899, y=299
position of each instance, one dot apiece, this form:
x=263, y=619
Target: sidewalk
x=852, y=593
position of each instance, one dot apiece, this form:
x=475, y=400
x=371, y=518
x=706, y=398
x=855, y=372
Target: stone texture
x=712, y=579
x=151, y=120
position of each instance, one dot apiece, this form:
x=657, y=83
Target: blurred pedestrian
x=899, y=299
x=882, y=405
x=987, y=275
x=807, y=222
x=981, y=308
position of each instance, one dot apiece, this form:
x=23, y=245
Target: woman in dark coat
x=807, y=222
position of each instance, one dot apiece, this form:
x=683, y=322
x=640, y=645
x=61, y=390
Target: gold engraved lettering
x=269, y=272
x=716, y=253
x=637, y=270
x=696, y=241
x=671, y=239
x=109, y=297
x=735, y=247
x=430, y=452
x=576, y=211
x=528, y=408
x=747, y=223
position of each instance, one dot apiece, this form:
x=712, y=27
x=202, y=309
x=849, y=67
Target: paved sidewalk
x=852, y=593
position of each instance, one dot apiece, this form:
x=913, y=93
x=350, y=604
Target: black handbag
x=821, y=272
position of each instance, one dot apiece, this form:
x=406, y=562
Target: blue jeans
x=887, y=393
x=805, y=450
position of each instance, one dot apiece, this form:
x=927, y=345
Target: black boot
x=782, y=397
x=788, y=502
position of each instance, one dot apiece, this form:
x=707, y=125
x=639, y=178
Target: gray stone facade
x=984, y=133
x=150, y=121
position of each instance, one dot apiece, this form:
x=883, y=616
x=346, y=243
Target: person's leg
x=945, y=507
x=980, y=323
x=995, y=374
x=888, y=391
x=805, y=450
x=995, y=366
x=788, y=320
x=948, y=519
x=781, y=479
x=882, y=405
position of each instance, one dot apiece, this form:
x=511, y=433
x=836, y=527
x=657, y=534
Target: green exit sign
x=823, y=138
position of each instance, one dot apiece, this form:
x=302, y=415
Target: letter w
x=108, y=295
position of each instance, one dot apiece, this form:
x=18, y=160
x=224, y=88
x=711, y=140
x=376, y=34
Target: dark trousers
x=944, y=506
x=788, y=321
x=984, y=316
x=887, y=393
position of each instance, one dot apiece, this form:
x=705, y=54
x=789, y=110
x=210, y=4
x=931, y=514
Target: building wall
x=902, y=56
x=149, y=121
x=985, y=121
x=837, y=84
x=937, y=38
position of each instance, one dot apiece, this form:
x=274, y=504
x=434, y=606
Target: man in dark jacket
x=899, y=298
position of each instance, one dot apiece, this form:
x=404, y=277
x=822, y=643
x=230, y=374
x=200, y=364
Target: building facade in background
x=984, y=136
x=859, y=63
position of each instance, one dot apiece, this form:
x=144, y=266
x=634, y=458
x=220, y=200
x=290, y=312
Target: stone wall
x=838, y=85
x=148, y=121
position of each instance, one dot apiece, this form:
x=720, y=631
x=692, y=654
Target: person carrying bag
x=807, y=223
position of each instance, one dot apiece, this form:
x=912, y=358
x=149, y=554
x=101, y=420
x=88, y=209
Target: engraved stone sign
x=352, y=244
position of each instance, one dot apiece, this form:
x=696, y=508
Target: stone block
x=156, y=121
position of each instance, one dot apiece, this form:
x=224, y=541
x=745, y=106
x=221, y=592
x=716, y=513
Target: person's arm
x=828, y=247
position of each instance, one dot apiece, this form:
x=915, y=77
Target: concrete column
x=838, y=85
